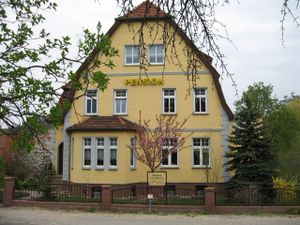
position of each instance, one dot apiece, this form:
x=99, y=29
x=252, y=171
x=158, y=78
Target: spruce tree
x=250, y=156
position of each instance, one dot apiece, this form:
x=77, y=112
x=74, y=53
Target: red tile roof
x=145, y=10
x=102, y=123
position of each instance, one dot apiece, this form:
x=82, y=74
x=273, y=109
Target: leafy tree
x=284, y=127
x=33, y=66
x=152, y=146
x=261, y=98
x=250, y=155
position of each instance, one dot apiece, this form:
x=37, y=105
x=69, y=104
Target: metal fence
x=1, y=194
x=258, y=196
x=59, y=192
x=161, y=196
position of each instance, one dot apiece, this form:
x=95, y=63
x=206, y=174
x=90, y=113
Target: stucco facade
x=135, y=95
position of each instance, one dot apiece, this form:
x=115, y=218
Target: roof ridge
x=146, y=9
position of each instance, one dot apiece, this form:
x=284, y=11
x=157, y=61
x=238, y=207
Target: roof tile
x=100, y=123
x=145, y=10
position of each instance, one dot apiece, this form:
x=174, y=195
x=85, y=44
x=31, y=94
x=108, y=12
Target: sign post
x=155, y=179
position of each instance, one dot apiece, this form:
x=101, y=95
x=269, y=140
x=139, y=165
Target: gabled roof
x=145, y=10
x=148, y=11
x=103, y=123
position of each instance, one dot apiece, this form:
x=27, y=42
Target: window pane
x=94, y=106
x=174, y=158
x=152, y=59
x=100, y=157
x=87, y=157
x=203, y=105
x=205, y=157
x=121, y=93
x=172, y=105
x=160, y=59
x=100, y=141
x=197, y=105
x=118, y=106
x=166, y=105
x=128, y=60
x=131, y=157
x=87, y=142
x=136, y=59
x=123, y=106
x=113, y=141
x=165, y=157
x=196, y=157
x=89, y=106
x=113, y=157
x=196, y=142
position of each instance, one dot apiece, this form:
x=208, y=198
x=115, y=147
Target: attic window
x=132, y=55
x=156, y=54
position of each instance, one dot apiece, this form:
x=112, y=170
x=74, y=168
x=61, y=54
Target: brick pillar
x=210, y=203
x=106, y=197
x=8, y=195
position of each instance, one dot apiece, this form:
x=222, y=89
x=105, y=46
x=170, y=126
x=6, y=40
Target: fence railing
x=1, y=194
x=255, y=196
x=59, y=192
x=161, y=196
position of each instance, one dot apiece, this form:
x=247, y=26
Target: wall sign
x=144, y=82
x=157, y=178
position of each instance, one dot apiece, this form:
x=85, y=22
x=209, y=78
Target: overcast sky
x=254, y=26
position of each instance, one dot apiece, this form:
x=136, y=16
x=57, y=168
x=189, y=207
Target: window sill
x=113, y=168
x=169, y=167
x=132, y=65
x=157, y=64
x=132, y=168
x=100, y=168
x=169, y=114
x=90, y=114
x=120, y=114
x=201, y=167
x=200, y=113
x=87, y=168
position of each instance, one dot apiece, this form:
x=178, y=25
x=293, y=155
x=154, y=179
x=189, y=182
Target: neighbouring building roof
x=148, y=11
x=103, y=123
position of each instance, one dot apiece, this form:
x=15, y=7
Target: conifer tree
x=250, y=155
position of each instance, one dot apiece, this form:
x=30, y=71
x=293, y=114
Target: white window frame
x=169, y=97
x=98, y=147
x=132, y=155
x=200, y=96
x=167, y=147
x=113, y=147
x=88, y=98
x=132, y=54
x=120, y=98
x=155, y=46
x=84, y=147
x=200, y=149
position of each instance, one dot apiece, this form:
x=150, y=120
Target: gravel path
x=36, y=216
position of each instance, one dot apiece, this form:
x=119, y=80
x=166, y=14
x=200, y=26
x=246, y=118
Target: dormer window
x=132, y=55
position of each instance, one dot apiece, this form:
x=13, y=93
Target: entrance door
x=60, y=159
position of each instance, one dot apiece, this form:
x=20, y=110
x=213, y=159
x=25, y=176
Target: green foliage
x=260, y=96
x=30, y=73
x=284, y=128
x=32, y=168
x=2, y=171
x=250, y=155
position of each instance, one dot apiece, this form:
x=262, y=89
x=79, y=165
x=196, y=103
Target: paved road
x=35, y=216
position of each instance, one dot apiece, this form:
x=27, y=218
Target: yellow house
x=93, y=147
